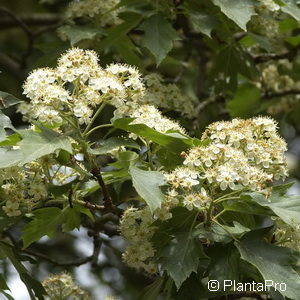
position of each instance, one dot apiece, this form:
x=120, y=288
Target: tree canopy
x=149, y=149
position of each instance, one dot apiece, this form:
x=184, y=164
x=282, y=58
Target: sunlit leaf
x=239, y=11
x=147, y=184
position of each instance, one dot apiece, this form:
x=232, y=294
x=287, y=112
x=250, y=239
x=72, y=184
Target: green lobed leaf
x=125, y=160
x=175, y=142
x=34, y=287
x=3, y=285
x=284, y=206
x=4, y=123
x=147, y=185
x=245, y=101
x=181, y=257
x=108, y=145
x=220, y=233
x=35, y=144
x=168, y=160
x=230, y=62
x=45, y=222
x=90, y=187
x=32, y=146
x=6, y=221
x=7, y=100
x=159, y=36
x=247, y=206
x=10, y=140
x=152, y=291
x=181, y=221
x=273, y=262
x=202, y=23
x=72, y=217
x=239, y=11
x=129, y=51
x=225, y=263
x=76, y=33
x=115, y=33
x=10, y=157
x=290, y=7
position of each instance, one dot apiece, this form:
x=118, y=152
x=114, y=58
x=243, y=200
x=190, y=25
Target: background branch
x=260, y=58
x=270, y=95
x=75, y=263
x=38, y=19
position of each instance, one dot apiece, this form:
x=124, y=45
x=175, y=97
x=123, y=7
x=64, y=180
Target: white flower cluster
x=185, y=183
x=259, y=142
x=22, y=188
x=163, y=213
x=240, y=154
x=102, y=11
x=275, y=78
x=136, y=228
x=167, y=96
x=151, y=116
x=62, y=286
x=287, y=236
x=78, y=84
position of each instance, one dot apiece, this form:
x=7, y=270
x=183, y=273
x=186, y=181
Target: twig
x=76, y=263
x=92, y=205
x=17, y=20
x=38, y=19
x=70, y=200
x=270, y=95
x=260, y=58
x=116, y=210
x=49, y=28
x=11, y=64
x=108, y=205
x=202, y=105
x=26, y=29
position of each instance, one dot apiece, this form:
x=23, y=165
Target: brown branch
x=11, y=65
x=51, y=20
x=116, y=210
x=260, y=58
x=27, y=31
x=108, y=205
x=16, y=20
x=270, y=95
x=48, y=28
x=39, y=19
x=90, y=205
x=75, y=263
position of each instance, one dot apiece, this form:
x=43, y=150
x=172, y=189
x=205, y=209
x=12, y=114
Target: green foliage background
x=215, y=52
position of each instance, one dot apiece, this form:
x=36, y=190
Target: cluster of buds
x=62, y=286
x=22, y=187
x=136, y=227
